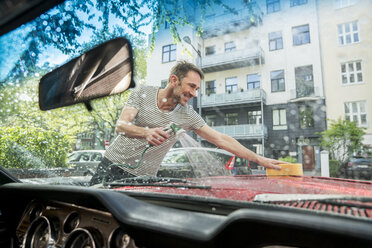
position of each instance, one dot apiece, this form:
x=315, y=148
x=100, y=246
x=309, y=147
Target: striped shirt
x=127, y=151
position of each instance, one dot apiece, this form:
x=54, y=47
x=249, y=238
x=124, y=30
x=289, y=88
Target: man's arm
x=232, y=145
x=124, y=126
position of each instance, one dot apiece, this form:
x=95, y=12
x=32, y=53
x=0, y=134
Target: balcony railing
x=303, y=93
x=249, y=96
x=233, y=59
x=247, y=131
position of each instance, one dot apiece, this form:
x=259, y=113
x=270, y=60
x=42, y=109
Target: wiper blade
x=152, y=181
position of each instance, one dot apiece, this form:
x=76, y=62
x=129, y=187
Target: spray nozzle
x=172, y=127
x=177, y=130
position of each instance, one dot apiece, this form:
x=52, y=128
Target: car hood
x=247, y=188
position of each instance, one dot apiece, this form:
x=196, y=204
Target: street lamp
x=188, y=41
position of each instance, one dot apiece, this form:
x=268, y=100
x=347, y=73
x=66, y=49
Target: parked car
x=86, y=158
x=213, y=208
x=185, y=162
x=357, y=168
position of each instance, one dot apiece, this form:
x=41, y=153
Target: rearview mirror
x=102, y=71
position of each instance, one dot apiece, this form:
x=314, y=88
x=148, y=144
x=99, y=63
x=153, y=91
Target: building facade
x=263, y=77
x=346, y=37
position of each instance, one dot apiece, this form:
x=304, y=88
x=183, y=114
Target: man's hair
x=183, y=67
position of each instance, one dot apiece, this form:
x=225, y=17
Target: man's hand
x=156, y=136
x=269, y=163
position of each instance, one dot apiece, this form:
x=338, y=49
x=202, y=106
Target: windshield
x=284, y=80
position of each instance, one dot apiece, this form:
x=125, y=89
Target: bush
x=32, y=148
x=288, y=159
x=334, y=168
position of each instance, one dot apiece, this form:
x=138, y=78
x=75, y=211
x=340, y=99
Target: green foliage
x=288, y=159
x=32, y=148
x=334, y=168
x=342, y=139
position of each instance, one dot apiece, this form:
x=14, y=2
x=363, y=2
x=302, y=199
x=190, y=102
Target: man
x=142, y=121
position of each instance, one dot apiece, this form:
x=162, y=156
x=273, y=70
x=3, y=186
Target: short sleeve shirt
x=127, y=151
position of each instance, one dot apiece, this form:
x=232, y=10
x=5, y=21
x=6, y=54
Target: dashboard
x=38, y=216
x=57, y=224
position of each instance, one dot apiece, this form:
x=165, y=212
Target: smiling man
x=143, y=119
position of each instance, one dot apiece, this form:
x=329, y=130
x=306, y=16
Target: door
x=308, y=157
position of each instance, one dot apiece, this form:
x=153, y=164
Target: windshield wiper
x=156, y=182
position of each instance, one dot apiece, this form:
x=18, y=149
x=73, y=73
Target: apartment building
x=346, y=38
x=263, y=83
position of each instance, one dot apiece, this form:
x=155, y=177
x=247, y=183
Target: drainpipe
x=262, y=112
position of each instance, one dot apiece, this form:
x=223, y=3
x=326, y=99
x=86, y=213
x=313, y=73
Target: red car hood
x=246, y=188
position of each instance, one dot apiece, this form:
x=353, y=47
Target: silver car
x=85, y=160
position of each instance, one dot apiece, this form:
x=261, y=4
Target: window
x=343, y=3
x=351, y=72
x=169, y=53
x=210, y=87
x=356, y=111
x=304, y=81
x=253, y=81
x=275, y=41
x=164, y=83
x=254, y=117
x=272, y=6
x=298, y=2
x=277, y=81
x=231, y=119
x=210, y=50
x=279, y=119
x=230, y=46
x=348, y=33
x=211, y=120
x=231, y=84
x=306, y=117
x=301, y=35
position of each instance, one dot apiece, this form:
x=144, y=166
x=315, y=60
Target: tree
x=32, y=148
x=342, y=139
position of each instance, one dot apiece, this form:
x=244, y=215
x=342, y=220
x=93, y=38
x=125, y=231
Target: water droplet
x=58, y=29
x=164, y=100
x=45, y=23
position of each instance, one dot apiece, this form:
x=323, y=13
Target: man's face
x=188, y=88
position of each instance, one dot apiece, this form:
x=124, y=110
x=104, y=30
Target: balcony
x=217, y=25
x=250, y=96
x=234, y=59
x=305, y=94
x=246, y=131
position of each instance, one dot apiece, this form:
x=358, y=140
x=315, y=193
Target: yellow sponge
x=287, y=170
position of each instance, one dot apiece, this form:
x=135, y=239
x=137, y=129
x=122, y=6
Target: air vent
x=344, y=207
